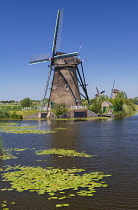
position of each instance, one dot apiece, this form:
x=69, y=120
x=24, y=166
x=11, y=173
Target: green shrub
x=118, y=103
x=4, y=112
x=16, y=116
x=60, y=109
x=95, y=107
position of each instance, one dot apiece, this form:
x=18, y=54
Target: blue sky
x=107, y=29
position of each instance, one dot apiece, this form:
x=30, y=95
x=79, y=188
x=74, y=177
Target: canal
x=114, y=144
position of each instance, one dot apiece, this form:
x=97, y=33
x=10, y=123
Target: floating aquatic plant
x=61, y=128
x=5, y=154
x=53, y=181
x=8, y=124
x=61, y=205
x=15, y=128
x=19, y=149
x=4, y=205
x=7, y=157
x=63, y=152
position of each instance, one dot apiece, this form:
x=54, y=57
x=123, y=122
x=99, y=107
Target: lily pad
x=52, y=180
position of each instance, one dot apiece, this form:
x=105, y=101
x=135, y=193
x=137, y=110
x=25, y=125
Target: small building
x=107, y=107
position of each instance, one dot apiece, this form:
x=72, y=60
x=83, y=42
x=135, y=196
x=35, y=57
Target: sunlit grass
x=26, y=112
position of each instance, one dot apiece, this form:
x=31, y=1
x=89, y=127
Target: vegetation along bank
x=102, y=105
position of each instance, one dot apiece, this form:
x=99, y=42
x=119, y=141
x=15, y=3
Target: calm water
x=115, y=142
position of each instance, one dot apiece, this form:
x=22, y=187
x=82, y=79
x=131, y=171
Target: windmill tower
x=65, y=87
x=66, y=74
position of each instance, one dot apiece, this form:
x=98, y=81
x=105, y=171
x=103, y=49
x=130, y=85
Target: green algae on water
x=61, y=128
x=7, y=157
x=17, y=129
x=63, y=152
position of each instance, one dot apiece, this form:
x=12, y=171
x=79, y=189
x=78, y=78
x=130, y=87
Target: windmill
x=66, y=74
x=114, y=91
x=99, y=93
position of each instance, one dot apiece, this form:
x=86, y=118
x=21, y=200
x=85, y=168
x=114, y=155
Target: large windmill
x=66, y=74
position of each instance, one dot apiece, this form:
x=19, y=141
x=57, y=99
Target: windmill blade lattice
x=97, y=90
x=39, y=58
x=102, y=92
x=58, y=31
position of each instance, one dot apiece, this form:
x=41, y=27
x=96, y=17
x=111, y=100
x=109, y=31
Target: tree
x=121, y=94
x=118, y=103
x=95, y=107
x=96, y=103
x=26, y=102
x=104, y=97
x=135, y=100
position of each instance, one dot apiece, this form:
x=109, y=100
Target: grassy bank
x=26, y=112
x=18, y=115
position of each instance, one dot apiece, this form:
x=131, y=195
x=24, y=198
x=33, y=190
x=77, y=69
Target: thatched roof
x=106, y=103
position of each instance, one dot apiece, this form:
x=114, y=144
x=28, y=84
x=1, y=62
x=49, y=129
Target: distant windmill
x=99, y=93
x=114, y=91
x=67, y=77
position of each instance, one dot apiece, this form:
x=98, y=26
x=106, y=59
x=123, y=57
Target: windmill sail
x=65, y=55
x=39, y=58
x=102, y=92
x=58, y=31
x=99, y=93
